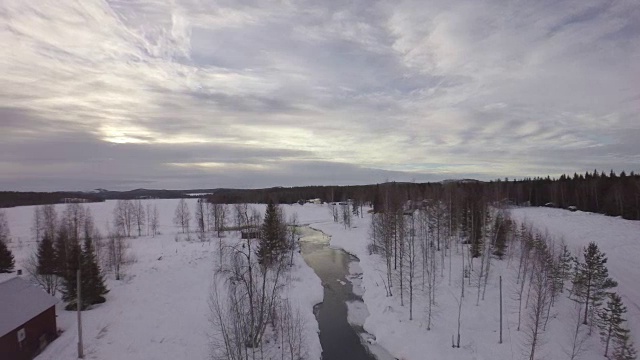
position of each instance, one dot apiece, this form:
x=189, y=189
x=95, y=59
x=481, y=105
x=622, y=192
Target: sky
x=180, y=94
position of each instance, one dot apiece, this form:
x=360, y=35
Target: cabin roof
x=20, y=302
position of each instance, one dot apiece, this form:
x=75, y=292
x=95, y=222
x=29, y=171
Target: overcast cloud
x=202, y=94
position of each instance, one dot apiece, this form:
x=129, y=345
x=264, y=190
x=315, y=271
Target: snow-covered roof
x=20, y=302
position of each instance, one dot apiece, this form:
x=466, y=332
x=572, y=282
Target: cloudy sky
x=123, y=94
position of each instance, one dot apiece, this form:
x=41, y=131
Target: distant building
x=250, y=233
x=27, y=319
x=74, y=200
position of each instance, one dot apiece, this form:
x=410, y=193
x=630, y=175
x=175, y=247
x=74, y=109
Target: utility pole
x=79, y=307
x=500, y=310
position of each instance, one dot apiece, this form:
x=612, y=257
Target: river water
x=340, y=340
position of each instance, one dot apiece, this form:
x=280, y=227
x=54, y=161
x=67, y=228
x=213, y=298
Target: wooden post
x=500, y=310
x=78, y=308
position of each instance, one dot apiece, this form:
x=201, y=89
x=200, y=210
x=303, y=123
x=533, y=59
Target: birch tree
x=139, y=216
x=182, y=216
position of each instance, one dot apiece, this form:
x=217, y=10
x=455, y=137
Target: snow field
x=619, y=239
x=160, y=310
x=405, y=339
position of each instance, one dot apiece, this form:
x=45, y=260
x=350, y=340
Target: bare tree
x=99, y=246
x=541, y=286
x=411, y=254
x=49, y=282
x=74, y=217
x=525, y=249
x=431, y=273
x=118, y=257
x=293, y=236
x=123, y=217
x=346, y=215
x=241, y=216
x=155, y=221
x=291, y=326
x=382, y=233
x=139, y=216
x=41, y=266
x=37, y=228
x=335, y=214
x=578, y=336
x=182, y=216
x=228, y=325
x=201, y=215
x=50, y=220
x=149, y=215
x=241, y=318
x=219, y=215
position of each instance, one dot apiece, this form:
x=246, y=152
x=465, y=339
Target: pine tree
x=46, y=257
x=5, y=233
x=624, y=349
x=592, y=280
x=611, y=319
x=45, y=265
x=7, y=262
x=273, y=240
x=92, y=282
x=93, y=288
x=60, y=247
x=565, y=261
x=68, y=274
x=500, y=230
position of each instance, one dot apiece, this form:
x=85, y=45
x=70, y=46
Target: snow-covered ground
x=160, y=310
x=618, y=238
x=405, y=339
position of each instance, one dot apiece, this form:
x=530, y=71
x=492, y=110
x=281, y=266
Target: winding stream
x=339, y=339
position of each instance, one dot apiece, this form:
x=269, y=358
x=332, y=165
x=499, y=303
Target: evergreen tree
x=624, y=349
x=5, y=233
x=92, y=282
x=273, y=239
x=46, y=267
x=60, y=251
x=592, y=280
x=93, y=288
x=68, y=274
x=7, y=261
x=565, y=261
x=500, y=230
x=611, y=319
x=46, y=257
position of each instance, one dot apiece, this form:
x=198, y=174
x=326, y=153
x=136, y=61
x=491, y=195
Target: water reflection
x=338, y=338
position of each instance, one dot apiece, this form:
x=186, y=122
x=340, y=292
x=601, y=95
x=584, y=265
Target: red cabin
x=27, y=319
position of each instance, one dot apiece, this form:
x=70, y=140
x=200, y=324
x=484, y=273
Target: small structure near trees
x=27, y=319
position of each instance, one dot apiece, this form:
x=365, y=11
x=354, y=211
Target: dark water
x=339, y=339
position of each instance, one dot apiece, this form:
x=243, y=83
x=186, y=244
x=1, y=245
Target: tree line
x=599, y=192
x=16, y=198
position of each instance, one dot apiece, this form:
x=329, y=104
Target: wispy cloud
x=223, y=93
